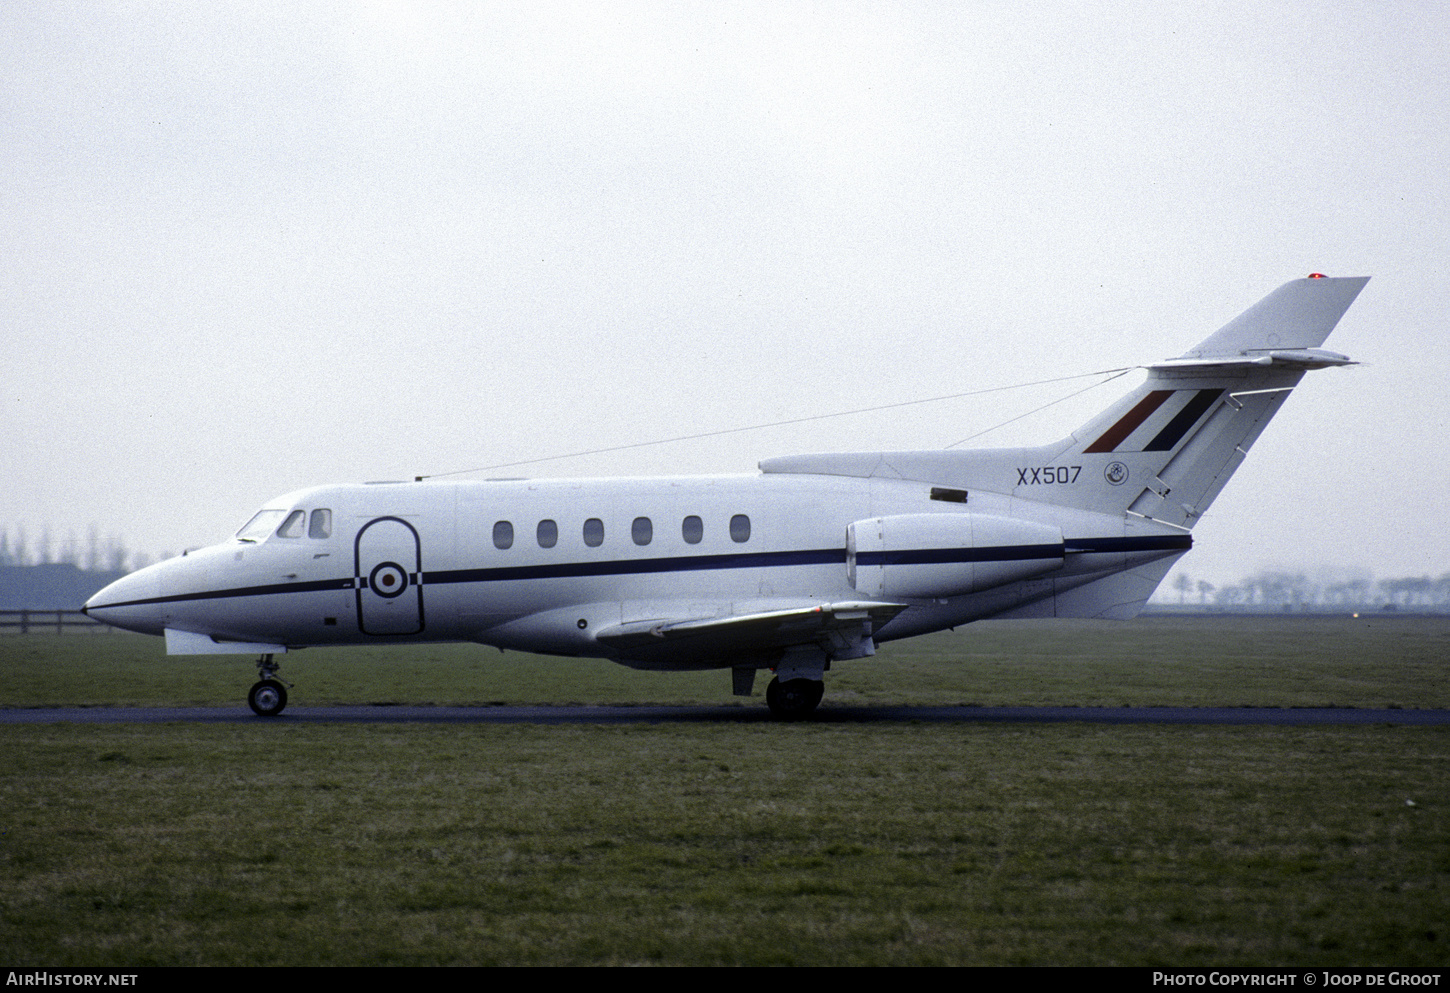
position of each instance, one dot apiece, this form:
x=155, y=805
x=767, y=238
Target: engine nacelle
x=944, y=555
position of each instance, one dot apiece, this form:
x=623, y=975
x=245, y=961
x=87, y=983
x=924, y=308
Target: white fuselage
x=545, y=565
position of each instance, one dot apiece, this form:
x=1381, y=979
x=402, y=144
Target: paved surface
x=716, y=714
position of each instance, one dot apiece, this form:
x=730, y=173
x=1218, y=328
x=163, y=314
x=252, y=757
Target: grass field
x=1176, y=661
x=831, y=843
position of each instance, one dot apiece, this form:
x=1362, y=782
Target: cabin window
x=292, y=527
x=643, y=531
x=321, y=525
x=739, y=528
x=693, y=529
x=548, y=534
x=594, y=532
x=503, y=534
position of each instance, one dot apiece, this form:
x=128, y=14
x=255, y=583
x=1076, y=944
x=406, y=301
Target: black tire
x=794, y=698
x=268, y=698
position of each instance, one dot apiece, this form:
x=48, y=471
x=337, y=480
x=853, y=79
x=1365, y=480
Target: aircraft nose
x=132, y=602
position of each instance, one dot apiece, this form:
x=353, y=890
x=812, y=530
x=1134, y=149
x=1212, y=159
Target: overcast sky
x=252, y=247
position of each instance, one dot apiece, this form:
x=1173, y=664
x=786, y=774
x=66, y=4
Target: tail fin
x=1167, y=449
x=1164, y=451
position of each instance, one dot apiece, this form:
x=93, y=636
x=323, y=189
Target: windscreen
x=261, y=526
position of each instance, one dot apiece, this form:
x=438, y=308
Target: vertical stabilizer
x=1166, y=449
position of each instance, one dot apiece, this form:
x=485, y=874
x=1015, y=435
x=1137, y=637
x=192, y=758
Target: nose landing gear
x=269, y=696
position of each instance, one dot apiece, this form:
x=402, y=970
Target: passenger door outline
x=388, y=576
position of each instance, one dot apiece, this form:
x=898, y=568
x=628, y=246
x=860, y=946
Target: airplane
x=815, y=559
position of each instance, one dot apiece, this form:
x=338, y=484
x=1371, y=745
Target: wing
x=841, y=630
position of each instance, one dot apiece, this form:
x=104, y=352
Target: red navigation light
x=1317, y=275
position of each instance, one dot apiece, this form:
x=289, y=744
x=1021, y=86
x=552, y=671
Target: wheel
x=794, y=698
x=267, y=698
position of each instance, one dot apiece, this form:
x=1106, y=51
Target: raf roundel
x=388, y=579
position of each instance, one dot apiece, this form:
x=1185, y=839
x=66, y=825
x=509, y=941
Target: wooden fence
x=50, y=622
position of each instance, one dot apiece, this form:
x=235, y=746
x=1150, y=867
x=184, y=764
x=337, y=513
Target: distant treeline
x=52, y=586
x=91, y=553
x=1290, y=591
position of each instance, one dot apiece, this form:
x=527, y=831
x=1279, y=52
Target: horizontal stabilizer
x=1297, y=358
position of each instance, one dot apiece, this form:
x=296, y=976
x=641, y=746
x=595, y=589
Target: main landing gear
x=269, y=696
x=795, y=698
x=797, y=688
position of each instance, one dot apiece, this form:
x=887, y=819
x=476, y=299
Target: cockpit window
x=293, y=525
x=321, y=525
x=261, y=526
